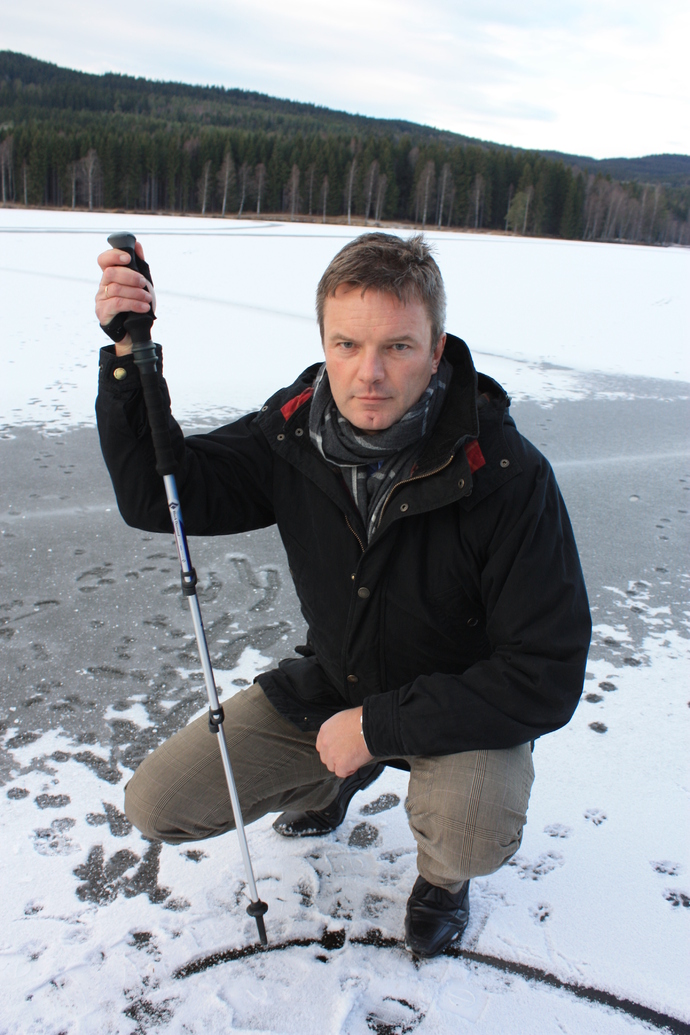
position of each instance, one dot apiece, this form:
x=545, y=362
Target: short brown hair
x=404, y=268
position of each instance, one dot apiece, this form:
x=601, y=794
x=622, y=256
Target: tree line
x=183, y=169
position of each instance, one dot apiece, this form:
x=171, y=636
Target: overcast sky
x=604, y=78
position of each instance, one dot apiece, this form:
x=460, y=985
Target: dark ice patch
x=17, y=793
x=22, y=739
x=149, y=1015
x=119, y=825
x=598, y=727
x=96, y=819
x=382, y=804
x=593, y=698
x=52, y=801
x=364, y=835
x=608, y=687
x=104, y=881
x=99, y=766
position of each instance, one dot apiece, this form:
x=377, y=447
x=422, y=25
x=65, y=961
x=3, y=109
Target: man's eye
x=400, y=346
x=346, y=344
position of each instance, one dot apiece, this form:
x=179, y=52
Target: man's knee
x=468, y=812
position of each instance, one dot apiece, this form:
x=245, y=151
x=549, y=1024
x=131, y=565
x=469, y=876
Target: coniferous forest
x=73, y=140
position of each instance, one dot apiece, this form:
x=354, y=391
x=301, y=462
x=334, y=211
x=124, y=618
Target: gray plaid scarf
x=371, y=464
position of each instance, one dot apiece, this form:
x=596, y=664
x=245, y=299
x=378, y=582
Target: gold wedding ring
x=106, y=290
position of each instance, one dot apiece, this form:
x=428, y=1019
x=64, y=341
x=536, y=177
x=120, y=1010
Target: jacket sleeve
x=537, y=624
x=224, y=479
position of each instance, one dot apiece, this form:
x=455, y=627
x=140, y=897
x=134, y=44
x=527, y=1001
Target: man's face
x=378, y=355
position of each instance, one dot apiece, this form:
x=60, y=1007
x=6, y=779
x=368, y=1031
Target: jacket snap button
x=298, y=432
x=472, y=622
x=505, y=463
x=363, y=592
x=461, y=483
x=404, y=507
x=280, y=437
x=353, y=679
x=264, y=408
x=119, y=373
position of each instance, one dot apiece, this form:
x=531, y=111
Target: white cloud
x=600, y=77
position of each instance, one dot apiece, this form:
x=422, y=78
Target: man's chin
x=372, y=422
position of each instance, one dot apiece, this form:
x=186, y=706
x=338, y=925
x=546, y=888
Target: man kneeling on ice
x=435, y=567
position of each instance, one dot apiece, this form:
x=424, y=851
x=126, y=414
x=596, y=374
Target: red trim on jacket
x=294, y=404
x=474, y=455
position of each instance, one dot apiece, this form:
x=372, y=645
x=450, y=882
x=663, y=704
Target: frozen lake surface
x=103, y=932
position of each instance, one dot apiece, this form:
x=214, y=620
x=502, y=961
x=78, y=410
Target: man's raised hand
x=122, y=290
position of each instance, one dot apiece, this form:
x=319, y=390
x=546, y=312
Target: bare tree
x=243, y=178
x=203, y=187
x=292, y=192
x=425, y=189
x=369, y=186
x=529, y=192
x=6, y=150
x=311, y=170
x=452, y=201
x=657, y=191
x=92, y=173
x=25, y=177
x=380, y=197
x=445, y=182
x=226, y=178
x=260, y=174
x=349, y=187
x=511, y=191
x=324, y=196
x=74, y=173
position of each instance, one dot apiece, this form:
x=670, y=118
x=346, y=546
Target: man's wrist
x=361, y=729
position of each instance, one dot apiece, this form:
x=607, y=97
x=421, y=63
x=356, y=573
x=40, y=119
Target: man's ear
x=437, y=353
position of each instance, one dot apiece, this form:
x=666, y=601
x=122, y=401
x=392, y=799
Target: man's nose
x=371, y=367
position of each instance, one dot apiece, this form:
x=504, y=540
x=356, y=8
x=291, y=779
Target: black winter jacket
x=463, y=624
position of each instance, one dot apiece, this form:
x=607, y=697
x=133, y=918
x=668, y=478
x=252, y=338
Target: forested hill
x=73, y=139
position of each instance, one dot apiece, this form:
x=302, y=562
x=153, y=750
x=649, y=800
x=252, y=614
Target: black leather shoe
x=435, y=917
x=324, y=821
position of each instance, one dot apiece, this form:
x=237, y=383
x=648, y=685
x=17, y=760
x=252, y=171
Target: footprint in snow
x=596, y=816
x=664, y=866
x=558, y=830
x=391, y=1016
x=53, y=840
x=544, y=864
x=540, y=912
x=677, y=898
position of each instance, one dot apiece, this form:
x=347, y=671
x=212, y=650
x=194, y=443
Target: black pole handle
x=138, y=325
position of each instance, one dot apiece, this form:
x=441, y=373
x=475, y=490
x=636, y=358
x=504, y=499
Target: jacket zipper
x=407, y=481
x=361, y=545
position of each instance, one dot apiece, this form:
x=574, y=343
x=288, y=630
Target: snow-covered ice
x=104, y=932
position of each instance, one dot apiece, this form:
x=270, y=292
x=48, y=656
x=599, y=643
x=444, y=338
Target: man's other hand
x=341, y=745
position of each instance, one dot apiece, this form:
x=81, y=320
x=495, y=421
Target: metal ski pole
x=144, y=351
